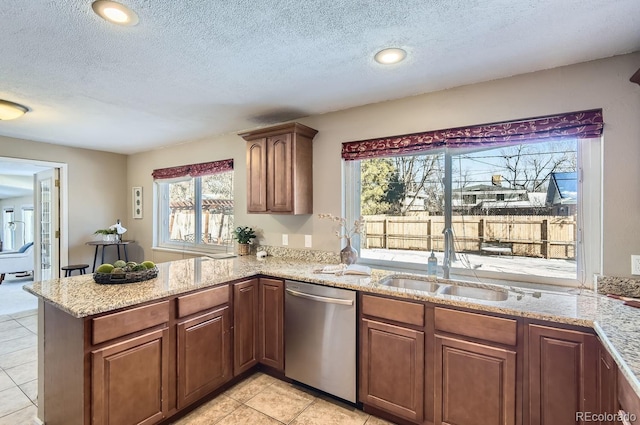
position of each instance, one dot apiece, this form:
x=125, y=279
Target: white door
x=47, y=224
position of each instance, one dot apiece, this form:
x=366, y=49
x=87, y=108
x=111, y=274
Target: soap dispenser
x=432, y=265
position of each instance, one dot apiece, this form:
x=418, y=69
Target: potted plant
x=108, y=235
x=243, y=235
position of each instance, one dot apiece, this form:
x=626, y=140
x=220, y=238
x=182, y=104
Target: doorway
x=34, y=209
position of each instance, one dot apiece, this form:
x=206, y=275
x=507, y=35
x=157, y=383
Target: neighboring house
x=487, y=199
x=472, y=195
x=415, y=201
x=534, y=204
x=562, y=193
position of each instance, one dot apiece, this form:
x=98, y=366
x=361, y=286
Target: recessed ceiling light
x=115, y=12
x=389, y=56
x=11, y=111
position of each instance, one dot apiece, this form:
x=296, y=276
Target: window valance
x=193, y=170
x=574, y=125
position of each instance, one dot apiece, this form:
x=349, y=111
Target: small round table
x=71, y=267
x=105, y=244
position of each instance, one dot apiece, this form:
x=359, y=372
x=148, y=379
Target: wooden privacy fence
x=528, y=236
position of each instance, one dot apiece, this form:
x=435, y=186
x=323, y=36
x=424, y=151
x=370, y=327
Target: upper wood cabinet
x=279, y=169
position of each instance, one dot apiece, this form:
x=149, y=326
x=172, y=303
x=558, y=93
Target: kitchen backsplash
x=624, y=286
x=301, y=254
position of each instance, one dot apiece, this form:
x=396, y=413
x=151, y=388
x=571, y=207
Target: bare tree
x=420, y=175
x=529, y=167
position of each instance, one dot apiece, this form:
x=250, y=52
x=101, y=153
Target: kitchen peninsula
x=96, y=337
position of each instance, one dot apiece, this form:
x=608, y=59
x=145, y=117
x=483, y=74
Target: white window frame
x=162, y=212
x=9, y=234
x=588, y=244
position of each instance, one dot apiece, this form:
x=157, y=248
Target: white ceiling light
x=11, y=111
x=115, y=12
x=389, y=56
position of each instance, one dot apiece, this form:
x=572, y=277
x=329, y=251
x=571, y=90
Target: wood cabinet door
x=475, y=383
x=280, y=173
x=392, y=369
x=129, y=381
x=257, y=175
x=607, y=385
x=245, y=325
x=203, y=355
x=562, y=375
x=272, y=323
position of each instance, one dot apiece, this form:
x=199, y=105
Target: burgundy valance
x=194, y=170
x=574, y=125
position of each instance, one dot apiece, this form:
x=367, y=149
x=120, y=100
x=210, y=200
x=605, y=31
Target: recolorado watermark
x=605, y=417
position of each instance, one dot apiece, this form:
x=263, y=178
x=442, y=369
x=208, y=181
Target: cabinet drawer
x=203, y=300
x=396, y=310
x=129, y=321
x=488, y=328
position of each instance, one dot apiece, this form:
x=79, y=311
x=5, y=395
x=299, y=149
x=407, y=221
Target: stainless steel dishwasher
x=320, y=338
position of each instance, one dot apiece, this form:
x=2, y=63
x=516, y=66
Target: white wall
x=598, y=84
x=96, y=188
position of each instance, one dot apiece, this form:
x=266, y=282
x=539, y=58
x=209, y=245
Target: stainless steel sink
x=476, y=293
x=410, y=283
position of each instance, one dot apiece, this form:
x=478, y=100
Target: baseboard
x=37, y=421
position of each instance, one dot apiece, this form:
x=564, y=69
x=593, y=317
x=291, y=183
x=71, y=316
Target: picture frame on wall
x=136, y=193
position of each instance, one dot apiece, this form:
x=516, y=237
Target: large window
x=195, y=212
x=527, y=211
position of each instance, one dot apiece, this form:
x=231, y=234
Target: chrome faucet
x=449, y=252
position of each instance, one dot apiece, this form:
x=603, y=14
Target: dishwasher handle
x=319, y=298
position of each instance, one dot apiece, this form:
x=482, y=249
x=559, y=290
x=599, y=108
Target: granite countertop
x=615, y=323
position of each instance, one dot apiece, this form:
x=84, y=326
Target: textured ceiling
x=192, y=69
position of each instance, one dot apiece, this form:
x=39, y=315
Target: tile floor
x=18, y=367
x=261, y=399
x=14, y=299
